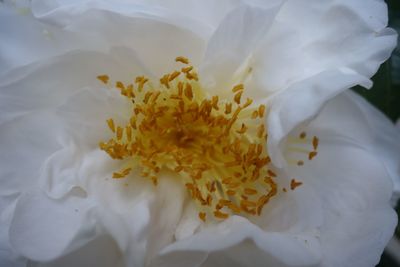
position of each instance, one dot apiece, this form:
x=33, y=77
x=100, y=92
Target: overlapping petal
x=66, y=223
x=353, y=187
x=26, y=40
x=292, y=55
x=372, y=131
x=354, y=182
x=76, y=163
x=273, y=46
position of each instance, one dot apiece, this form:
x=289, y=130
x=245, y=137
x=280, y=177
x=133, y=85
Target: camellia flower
x=194, y=134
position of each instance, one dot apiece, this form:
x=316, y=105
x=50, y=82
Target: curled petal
x=235, y=39
x=101, y=252
x=26, y=40
x=302, y=100
x=353, y=180
x=368, y=128
x=236, y=236
x=204, y=15
x=43, y=229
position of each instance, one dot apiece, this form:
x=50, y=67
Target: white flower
x=59, y=204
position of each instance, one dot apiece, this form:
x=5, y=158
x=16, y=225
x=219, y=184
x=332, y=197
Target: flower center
x=216, y=147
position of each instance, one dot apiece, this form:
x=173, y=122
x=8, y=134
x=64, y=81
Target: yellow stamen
x=294, y=184
x=187, y=69
x=103, y=78
x=202, y=216
x=188, y=91
x=183, y=60
x=111, y=125
x=237, y=88
x=237, y=97
x=261, y=110
x=120, y=131
x=312, y=155
x=315, y=142
x=209, y=143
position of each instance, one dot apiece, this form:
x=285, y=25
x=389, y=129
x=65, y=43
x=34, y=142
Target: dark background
x=385, y=95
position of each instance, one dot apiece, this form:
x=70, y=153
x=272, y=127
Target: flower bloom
x=118, y=150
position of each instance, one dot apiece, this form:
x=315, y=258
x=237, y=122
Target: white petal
x=297, y=212
x=238, y=34
x=83, y=115
x=74, y=166
x=302, y=100
x=26, y=142
x=26, y=40
x=165, y=214
x=307, y=38
x=359, y=221
x=93, y=28
x=43, y=229
x=133, y=23
x=101, y=252
x=81, y=164
x=8, y=256
x=141, y=218
x=30, y=88
x=368, y=128
x=386, y=140
x=189, y=222
x=354, y=188
x=125, y=215
x=207, y=13
x=181, y=258
x=236, y=237
x=144, y=36
x=28, y=101
x=80, y=160
x=246, y=254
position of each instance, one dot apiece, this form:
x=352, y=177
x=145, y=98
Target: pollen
x=215, y=147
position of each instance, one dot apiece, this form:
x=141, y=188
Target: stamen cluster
x=216, y=147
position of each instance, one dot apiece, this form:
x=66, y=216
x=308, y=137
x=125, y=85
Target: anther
x=217, y=152
x=174, y=75
x=261, y=110
x=183, y=60
x=104, y=78
x=312, y=155
x=237, y=97
x=188, y=91
x=237, y=88
x=315, y=142
x=202, y=216
x=294, y=184
x=111, y=125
